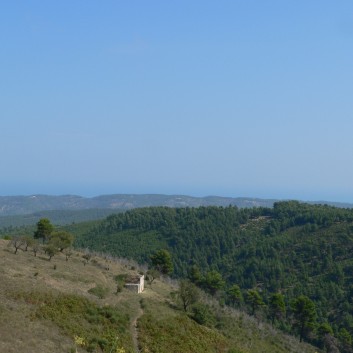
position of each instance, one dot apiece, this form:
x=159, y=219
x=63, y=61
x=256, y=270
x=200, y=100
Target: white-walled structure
x=135, y=284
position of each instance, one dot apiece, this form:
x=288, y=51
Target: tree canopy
x=304, y=313
x=294, y=248
x=162, y=261
x=44, y=229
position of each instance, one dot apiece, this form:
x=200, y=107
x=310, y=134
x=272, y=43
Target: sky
x=230, y=98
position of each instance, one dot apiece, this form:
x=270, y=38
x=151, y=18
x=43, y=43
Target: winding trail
x=134, y=330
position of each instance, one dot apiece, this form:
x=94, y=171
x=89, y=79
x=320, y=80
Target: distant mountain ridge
x=22, y=205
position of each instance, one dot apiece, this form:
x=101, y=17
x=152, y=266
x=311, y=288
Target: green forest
x=291, y=264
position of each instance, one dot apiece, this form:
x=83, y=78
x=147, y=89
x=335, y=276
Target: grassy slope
x=42, y=308
x=25, y=279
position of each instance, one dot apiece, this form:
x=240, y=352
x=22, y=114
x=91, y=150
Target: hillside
x=20, y=211
x=294, y=249
x=58, y=217
x=21, y=205
x=66, y=306
x=27, y=205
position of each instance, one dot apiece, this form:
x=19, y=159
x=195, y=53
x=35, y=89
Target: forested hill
x=20, y=205
x=24, y=205
x=293, y=248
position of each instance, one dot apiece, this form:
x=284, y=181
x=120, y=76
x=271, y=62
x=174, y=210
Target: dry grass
x=23, y=272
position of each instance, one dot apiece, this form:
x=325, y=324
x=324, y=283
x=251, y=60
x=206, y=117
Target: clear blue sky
x=234, y=98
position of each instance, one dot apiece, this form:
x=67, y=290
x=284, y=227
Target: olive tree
x=188, y=294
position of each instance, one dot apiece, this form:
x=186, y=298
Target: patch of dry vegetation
x=54, y=306
x=30, y=284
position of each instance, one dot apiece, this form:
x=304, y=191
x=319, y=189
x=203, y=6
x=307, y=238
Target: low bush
x=99, y=291
x=94, y=328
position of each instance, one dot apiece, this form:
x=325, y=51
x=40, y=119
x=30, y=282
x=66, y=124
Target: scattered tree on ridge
x=345, y=340
x=194, y=274
x=327, y=339
x=234, y=294
x=44, y=229
x=61, y=239
x=254, y=299
x=304, y=315
x=17, y=242
x=27, y=242
x=35, y=247
x=214, y=281
x=162, y=261
x=277, y=307
x=51, y=250
x=188, y=294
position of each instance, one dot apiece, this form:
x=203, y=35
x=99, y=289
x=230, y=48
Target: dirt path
x=134, y=330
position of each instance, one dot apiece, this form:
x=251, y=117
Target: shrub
x=99, y=291
x=121, y=280
x=93, y=328
x=203, y=314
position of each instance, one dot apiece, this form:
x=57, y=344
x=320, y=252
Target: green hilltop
x=294, y=249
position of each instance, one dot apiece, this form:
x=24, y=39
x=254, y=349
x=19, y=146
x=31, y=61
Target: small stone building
x=135, y=283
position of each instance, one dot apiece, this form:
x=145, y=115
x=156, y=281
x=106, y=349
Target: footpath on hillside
x=134, y=329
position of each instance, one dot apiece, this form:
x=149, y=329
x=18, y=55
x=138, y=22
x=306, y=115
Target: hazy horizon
x=197, y=195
